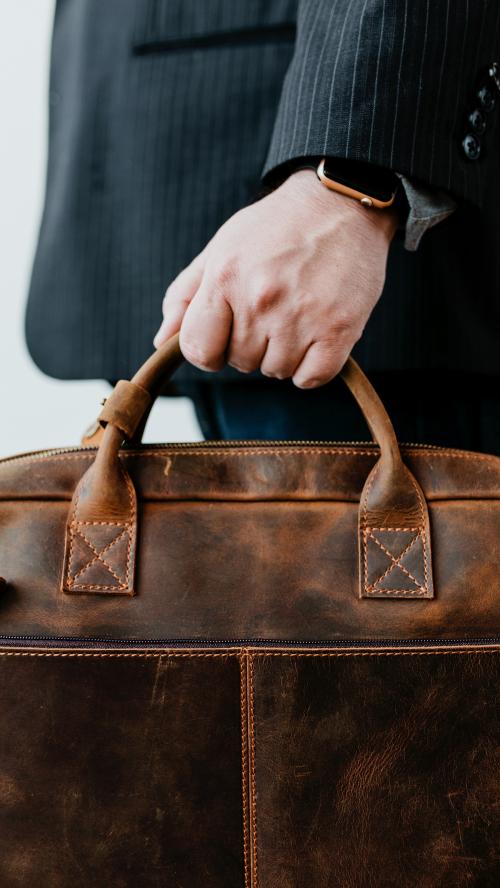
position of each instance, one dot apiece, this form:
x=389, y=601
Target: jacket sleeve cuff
x=427, y=208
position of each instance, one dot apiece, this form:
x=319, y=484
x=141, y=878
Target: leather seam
x=72, y=524
x=243, y=659
x=425, y=653
x=104, y=523
x=70, y=578
x=354, y=452
x=363, y=517
x=259, y=452
x=132, y=521
x=253, y=789
x=148, y=655
x=415, y=529
x=395, y=563
x=342, y=451
x=99, y=555
x=423, y=508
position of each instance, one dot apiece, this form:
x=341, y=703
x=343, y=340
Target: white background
x=37, y=412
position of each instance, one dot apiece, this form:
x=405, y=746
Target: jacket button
x=486, y=99
x=477, y=121
x=471, y=146
x=494, y=73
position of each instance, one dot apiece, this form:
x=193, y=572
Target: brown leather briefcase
x=249, y=664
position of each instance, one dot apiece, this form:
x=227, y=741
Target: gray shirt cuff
x=428, y=207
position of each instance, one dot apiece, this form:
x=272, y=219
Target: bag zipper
x=222, y=445
x=51, y=641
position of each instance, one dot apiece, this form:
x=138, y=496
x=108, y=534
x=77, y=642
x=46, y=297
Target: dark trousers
x=446, y=409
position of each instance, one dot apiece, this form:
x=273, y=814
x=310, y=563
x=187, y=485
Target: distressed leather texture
x=130, y=777
x=224, y=694
x=376, y=770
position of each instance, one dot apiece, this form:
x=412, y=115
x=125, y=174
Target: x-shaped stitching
x=396, y=561
x=98, y=556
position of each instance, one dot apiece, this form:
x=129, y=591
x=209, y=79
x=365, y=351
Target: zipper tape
x=334, y=644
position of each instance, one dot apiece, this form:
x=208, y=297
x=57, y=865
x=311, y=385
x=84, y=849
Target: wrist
x=304, y=185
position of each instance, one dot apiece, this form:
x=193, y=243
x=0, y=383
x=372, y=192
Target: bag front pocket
x=376, y=768
x=120, y=768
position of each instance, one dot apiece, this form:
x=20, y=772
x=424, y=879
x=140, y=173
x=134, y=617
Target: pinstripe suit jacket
x=166, y=114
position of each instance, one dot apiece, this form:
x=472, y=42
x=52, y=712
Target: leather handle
x=393, y=527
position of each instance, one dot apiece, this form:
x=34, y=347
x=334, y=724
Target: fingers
x=281, y=358
x=177, y=298
x=322, y=361
x=247, y=345
x=206, y=329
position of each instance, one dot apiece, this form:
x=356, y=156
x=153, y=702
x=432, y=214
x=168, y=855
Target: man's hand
x=285, y=285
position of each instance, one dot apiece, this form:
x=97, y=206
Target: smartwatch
x=371, y=185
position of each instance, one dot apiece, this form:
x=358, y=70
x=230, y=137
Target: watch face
x=367, y=178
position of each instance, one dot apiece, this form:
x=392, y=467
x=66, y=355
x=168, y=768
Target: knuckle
x=327, y=368
x=224, y=274
x=343, y=325
x=263, y=294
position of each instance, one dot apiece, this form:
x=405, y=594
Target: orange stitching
x=253, y=791
x=408, y=451
x=72, y=577
x=237, y=652
x=102, y=523
x=244, y=763
x=375, y=593
x=80, y=587
x=68, y=576
x=395, y=561
x=399, y=653
x=99, y=555
x=450, y=452
x=363, y=514
x=132, y=522
x=148, y=655
x=258, y=452
x=423, y=510
x=386, y=527
x=378, y=593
